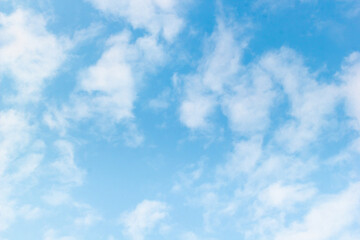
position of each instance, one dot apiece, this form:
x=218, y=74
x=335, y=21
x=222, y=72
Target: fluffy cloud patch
x=112, y=80
x=29, y=53
x=218, y=68
x=158, y=17
x=244, y=158
x=248, y=107
x=327, y=219
x=195, y=110
x=108, y=89
x=146, y=216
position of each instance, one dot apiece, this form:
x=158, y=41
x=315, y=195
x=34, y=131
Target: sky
x=180, y=119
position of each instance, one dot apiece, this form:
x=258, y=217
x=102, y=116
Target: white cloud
x=111, y=80
x=51, y=234
x=132, y=136
x=161, y=101
x=20, y=156
x=274, y=168
x=311, y=103
x=217, y=69
x=189, y=177
x=244, y=158
x=7, y=213
x=56, y=197
x=254, y=186
x=68, y=171
x=195, y=110
x=14, y=136
x=107, y=90
x=327, y=219
x=189, y=236
x=350, y=74
x=82, y=35
x=58, y=119
x=284, y=196
x=29, y=54
x=222, y=62
x=272, y=5
x=29, y=212
x=248, y=107
x=350, y=235
x=158, y=17
x=87, y=216
x=88, y=219
x=146, y=216
x=247, y=93
x=244, y=93
x=27, y=166
x=246, y=96
x=352, y=7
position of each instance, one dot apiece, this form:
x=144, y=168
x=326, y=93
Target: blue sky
x=185, y=120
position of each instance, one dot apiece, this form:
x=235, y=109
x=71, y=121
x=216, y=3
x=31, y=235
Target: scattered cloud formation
x=258, y=171
x=240, y=130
